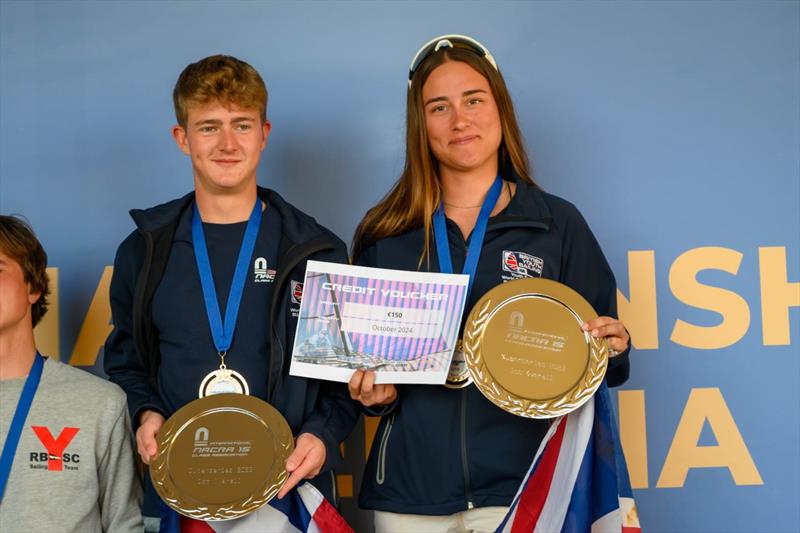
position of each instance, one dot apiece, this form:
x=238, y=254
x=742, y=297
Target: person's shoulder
x=560, y=207
x=158, y=216
x=150, y=219
x=402, y=250
x=298, y=225
x=88, y=389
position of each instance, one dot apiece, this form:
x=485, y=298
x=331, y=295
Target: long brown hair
x=415, y=196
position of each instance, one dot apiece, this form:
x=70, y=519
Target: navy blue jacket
x=132, y=357
x=439, y=451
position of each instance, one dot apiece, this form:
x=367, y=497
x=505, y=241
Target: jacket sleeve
x=120, y=491
x=585, y=269
x=121, y=361
x=335, y=413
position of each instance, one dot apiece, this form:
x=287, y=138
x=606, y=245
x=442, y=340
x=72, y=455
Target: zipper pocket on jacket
x=380, y=474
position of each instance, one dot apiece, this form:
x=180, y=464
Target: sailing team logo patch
x=55, y=457
x=261, y=274
x=518, y=265
x=297, y=292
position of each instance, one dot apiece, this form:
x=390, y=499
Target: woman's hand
x=612, y=330
x=363, y=388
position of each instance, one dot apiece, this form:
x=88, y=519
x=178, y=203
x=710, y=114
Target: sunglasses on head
x=448, y=41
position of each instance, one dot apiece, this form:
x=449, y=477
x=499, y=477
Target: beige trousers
x=480, y=520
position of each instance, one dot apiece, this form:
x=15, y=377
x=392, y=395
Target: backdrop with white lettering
x=673, y=126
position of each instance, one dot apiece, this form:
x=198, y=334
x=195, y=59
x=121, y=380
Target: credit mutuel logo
x=55, y=457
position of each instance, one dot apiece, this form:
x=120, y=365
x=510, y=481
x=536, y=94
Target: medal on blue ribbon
x=458, y=375
x=224, y=380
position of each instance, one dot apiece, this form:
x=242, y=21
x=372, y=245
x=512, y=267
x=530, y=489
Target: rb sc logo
x=55, y=446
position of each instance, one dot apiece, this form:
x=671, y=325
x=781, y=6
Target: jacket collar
x=527, y=207
x=296, y=225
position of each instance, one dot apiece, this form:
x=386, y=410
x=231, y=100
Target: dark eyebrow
x=444, y=98
x=436, y=99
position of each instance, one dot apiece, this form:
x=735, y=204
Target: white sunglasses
x=448, y=41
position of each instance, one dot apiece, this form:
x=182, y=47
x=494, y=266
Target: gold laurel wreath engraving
x=574, y=398
x=166, y=490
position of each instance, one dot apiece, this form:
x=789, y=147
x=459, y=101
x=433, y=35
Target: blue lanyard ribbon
x=222, y=332
x=476, y=239
x=17, y=423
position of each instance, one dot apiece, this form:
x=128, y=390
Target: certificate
x=404, y=325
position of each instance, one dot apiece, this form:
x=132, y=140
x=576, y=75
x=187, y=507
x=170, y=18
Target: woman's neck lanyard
x=18, y=422
x=476, y=239
x=458, y=375
x=224, y=379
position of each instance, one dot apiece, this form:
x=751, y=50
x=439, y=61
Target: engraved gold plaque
x=221, y=457
x=526, y=351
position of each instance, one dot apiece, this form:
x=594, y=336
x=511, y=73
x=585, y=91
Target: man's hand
x=305, y=461
x=150, y=423
x=612, y=329
x=363, y=388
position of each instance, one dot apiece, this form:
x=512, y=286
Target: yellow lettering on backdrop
x=730, y=451
x=96, y=326
x=640, y=313
x=633, y=435
x=733, y=308
x=46, y=331
x=777, y=295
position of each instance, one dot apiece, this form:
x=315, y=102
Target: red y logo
x=55, y=447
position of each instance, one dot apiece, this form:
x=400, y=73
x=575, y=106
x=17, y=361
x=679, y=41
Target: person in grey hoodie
x=67, y=449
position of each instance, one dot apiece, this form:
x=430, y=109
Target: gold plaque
x=526, y=351
x=221, y=456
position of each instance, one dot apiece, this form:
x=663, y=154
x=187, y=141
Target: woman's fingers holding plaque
x=305, y=461
x=363, y=388
x=612, y=330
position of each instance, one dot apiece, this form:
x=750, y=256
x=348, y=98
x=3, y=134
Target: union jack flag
x=580, y=456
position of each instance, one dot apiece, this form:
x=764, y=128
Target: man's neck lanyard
x=476, y=240
x=18, y=422
x=224, y=379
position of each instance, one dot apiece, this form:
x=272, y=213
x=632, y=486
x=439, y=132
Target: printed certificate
x=404, y=325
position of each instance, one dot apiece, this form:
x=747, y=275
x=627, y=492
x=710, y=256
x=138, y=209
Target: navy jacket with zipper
x=132, y=356
x=439, y=451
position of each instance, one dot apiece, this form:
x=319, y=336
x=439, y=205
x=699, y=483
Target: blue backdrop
x=674, y=126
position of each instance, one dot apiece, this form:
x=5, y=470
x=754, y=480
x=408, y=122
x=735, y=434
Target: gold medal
x=458, y=374
x=223, y=381
x=526, y=351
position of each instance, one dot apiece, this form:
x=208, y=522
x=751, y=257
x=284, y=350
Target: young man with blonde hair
x=164, y=345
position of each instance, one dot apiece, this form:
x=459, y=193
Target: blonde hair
x=222, y=79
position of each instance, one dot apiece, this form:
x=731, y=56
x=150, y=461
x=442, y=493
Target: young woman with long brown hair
x=448, y=459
